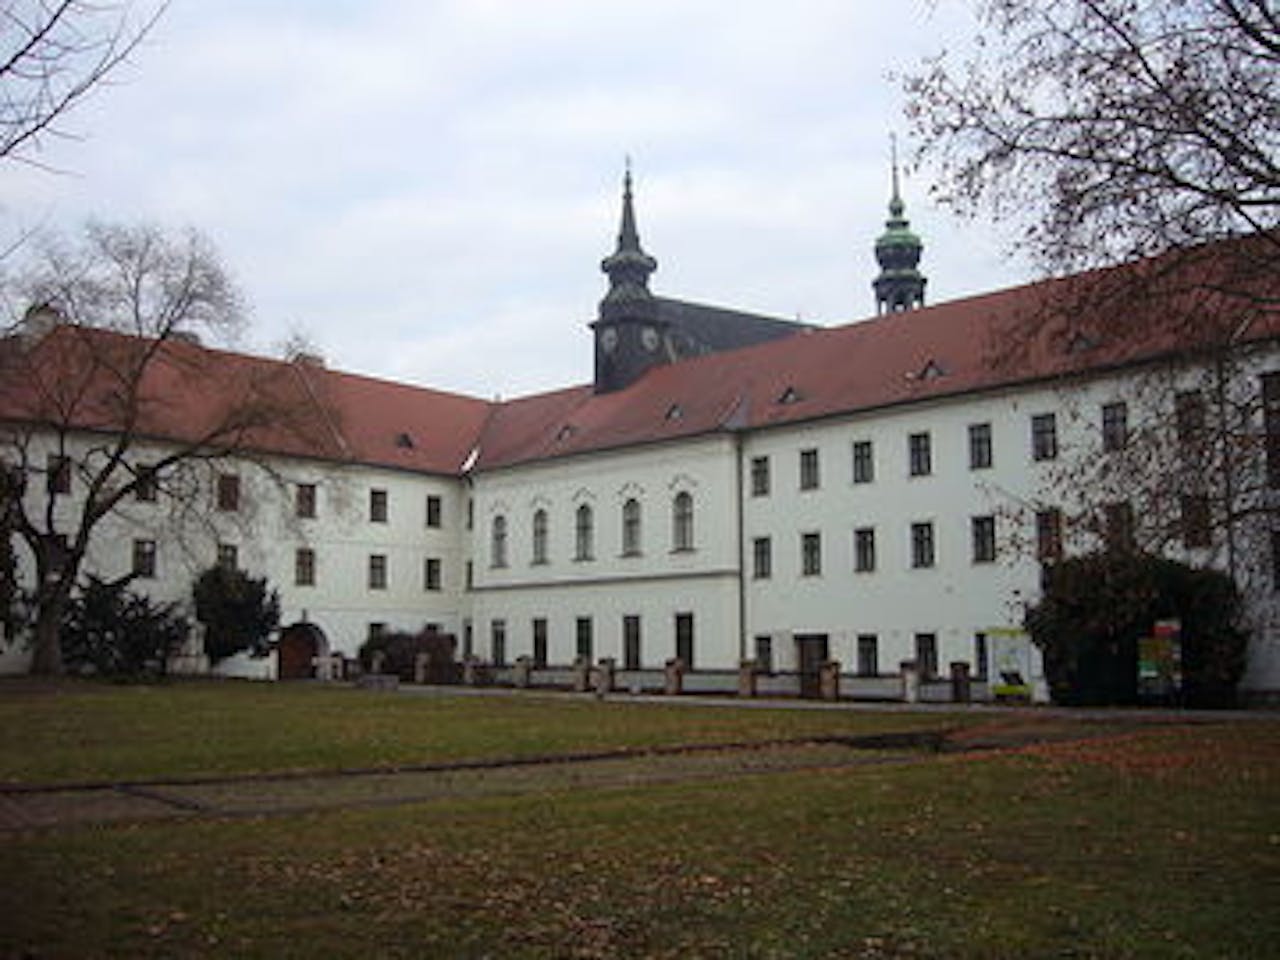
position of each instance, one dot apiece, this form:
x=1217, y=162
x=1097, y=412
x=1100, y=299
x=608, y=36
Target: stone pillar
x=961, y=688
x=470, y=671
x=829, y=680
x=910, y=681
x=747, y=678
x=421, y=667
x=377, y=661
x=604, y=676
x=338, y=666
x=673, y=677
x=523, y=667
x=581, y=675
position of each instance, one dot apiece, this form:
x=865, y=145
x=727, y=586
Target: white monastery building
x=728, y=487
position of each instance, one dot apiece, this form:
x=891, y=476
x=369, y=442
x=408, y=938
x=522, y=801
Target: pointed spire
x=628, y=267
x=900, y=285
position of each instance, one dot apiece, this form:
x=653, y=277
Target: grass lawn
x=1163, y=842
x=84, y=731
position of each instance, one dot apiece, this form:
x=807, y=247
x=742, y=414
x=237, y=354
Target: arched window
x=498, y=546
x=631, y=528
x=584, y=533
x=682, y=521
x=540, y=536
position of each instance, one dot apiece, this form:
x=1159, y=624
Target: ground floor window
x=927, y=654
x=980, y=656
x=684, y=639
x=764, y=653
x=498, y=636
x=584, y=638
x=631, y=642
x=868, y=655
x=539, y=642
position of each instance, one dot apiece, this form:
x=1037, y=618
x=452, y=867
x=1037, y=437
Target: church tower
x=630, y=337
x=900, y=285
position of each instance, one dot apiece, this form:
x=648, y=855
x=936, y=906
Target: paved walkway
x=23, y=808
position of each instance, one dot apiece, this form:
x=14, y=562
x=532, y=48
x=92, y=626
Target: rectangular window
x=1196, y=521
x=979, y=656
x=868, y=655
x=919, y=455
x=304, y=567
x=864, y=549
x=144, y=558
x=927, y=655
x=922, y=552
x=377, y=629
x=539, y=642
x=764, y=653
x=583, y=632
x=979, y=446
x=684, y=639
x=470, y=575
x=984, y=539
x=146, y=489
x=1115, y=425
x=377, y=571
x=434, y=510
x=1271, y=424
x=377, y=506
x=1044, y=436
x=1275, y=559
x=1049, y=535
x=1118, y=525
x=228, y=556
x=431, y=573
x=864, y=465
x=631, y=642
x=1188, y=409
x=811, y=554
x=498, y=642
x=229, y=492
x=762, y=558
x=759, y=476
x=809, y=478
x=304, y=503
x=59, y=468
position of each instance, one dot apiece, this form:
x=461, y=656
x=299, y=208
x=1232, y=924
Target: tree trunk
x=47, y=659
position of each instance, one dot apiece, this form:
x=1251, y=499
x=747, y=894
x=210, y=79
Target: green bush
x=237, y=610
x=112, y=632
x=400, y=651
x=1095, y=607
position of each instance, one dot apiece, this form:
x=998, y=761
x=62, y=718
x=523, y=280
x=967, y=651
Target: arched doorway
x=299, y=645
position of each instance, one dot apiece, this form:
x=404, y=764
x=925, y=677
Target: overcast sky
x=425, y=189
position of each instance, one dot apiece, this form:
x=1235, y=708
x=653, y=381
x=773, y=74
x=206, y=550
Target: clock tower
x=630, y=336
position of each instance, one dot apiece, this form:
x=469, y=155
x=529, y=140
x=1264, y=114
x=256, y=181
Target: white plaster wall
x=655, y=584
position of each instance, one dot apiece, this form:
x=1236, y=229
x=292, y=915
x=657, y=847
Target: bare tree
x=1110, y=130
x=107, y=372
x=1132, y=149
x=53, y=55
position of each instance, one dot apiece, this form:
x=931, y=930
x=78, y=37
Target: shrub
x=238, y=612
x=400, y=650
x=113, y=632
x=1095, y=608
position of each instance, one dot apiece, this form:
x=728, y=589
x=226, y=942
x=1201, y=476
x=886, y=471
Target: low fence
x=605, y=676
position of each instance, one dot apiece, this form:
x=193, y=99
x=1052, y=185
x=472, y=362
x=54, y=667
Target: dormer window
x=1080, y=342
x=674, y=412
x=404, y=441
x=931, y=371
x=565, y=433
x=789, y=396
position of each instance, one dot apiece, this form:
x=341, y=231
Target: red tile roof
x=1043, y=330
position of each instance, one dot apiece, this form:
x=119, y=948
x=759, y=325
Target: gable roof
x=194, y=394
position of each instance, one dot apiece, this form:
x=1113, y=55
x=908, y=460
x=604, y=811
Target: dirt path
x=71, y=805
